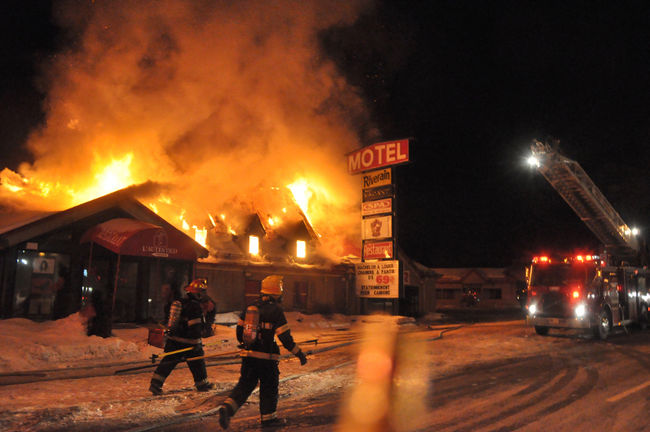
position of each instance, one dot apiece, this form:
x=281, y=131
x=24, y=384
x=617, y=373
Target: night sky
x=473, y=83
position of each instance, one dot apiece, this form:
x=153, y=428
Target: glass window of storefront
x=42, y=284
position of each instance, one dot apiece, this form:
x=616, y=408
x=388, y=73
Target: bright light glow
x=635, y=231
x=200, y=235
x=575, y=294
x=254, y=245
x=301, y=194
x=301, y=249
x=533, y=161
x=581, y=310
x=114, y=176
x=532, y=309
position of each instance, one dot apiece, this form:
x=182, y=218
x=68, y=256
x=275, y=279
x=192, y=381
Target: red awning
x=136, y=238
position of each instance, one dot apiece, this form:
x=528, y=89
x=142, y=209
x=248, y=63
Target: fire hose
x=223, y=354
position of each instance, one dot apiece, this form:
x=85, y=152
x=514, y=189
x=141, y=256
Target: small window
x=254, y=245
x=301, y=249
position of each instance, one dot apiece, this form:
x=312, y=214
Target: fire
x=140, y=105
x=301, y=194
x=200, y=235
x=116, y=175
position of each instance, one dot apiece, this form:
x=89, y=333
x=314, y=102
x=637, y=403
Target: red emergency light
x=541, y=259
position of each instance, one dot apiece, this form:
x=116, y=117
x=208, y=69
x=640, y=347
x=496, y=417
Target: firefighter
x=260, y=359
x=184, y=328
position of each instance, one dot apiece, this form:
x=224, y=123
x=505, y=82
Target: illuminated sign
x=378, y=155
x=377, y=207
x=376, y=193
x=378, y=279
x=376, y=178
x=378, y=250
x=377, y=227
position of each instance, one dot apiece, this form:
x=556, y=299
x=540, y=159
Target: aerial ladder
x=578, y=190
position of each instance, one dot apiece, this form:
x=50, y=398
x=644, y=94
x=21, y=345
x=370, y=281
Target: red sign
x=378, y=155
x=378, y=250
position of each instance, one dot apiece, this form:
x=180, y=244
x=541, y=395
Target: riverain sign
x=378, y=155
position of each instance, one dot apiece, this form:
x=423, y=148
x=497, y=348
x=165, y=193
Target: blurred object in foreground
x=390, y=387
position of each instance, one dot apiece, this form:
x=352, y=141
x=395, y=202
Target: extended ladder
x=579, y=191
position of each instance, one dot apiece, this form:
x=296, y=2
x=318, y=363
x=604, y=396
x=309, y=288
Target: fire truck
x=592, y=291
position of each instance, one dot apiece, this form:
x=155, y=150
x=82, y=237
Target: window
x=254, y=245
x=301, y=249
x=492, y=293
x=445, y=294
x=42, y=282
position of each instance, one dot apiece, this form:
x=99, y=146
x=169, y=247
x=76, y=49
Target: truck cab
x=582, y=292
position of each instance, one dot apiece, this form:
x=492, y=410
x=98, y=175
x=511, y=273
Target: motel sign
x=378, y=155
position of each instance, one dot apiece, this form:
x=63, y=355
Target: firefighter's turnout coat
x=260, y=359
x=184, y=329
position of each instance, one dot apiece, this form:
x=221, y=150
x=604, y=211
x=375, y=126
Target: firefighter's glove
x=303, y=358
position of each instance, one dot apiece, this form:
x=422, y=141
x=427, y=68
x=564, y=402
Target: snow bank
x=28, y=345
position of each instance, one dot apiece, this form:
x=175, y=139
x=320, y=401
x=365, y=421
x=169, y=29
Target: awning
x=136, y=238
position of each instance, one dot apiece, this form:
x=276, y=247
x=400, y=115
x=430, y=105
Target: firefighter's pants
x=252, y=371
x=168, y=363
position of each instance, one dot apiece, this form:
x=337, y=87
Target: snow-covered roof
x=458, y=274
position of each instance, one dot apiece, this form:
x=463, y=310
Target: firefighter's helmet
x=197, y=286
x=272, y=286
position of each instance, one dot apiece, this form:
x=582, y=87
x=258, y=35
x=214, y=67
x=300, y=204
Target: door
x=251, y=291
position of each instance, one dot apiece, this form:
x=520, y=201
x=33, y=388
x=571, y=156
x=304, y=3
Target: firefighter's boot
x=155, y=387
x=224, y=413
x=273, y=423
x=205, y=386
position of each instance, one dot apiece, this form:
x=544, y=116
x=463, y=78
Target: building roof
x=34, y=225
x=459, y=274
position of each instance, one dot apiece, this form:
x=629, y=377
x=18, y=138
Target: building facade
x=485, y=288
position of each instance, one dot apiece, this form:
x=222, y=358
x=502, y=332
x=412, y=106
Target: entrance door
x=409, y=304
x=126, y=296
x=251, y=291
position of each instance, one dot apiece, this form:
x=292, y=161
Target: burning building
x=117, y=250
x=228, y=127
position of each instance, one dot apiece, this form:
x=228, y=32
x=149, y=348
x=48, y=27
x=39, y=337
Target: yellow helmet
x=197, y=286
x=272, y=285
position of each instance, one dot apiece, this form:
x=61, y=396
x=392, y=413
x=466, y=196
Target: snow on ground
x=123, y=400
x=63, y=343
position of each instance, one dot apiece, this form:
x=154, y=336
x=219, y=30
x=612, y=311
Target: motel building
x=117, y=250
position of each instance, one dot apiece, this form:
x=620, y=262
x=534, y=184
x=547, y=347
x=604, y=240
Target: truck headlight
x=581, y=310
x=532, y=309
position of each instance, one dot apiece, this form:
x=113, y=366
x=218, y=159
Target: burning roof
x=213, y=110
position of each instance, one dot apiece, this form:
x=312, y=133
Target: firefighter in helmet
x=184, y=328
x=261, y=355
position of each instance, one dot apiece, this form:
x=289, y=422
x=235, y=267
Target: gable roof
x=461, y=274
x=121, y=200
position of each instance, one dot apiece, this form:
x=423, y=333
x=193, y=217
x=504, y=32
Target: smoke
x=219, y=101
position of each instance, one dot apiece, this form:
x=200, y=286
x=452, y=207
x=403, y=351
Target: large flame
x=211, y=104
